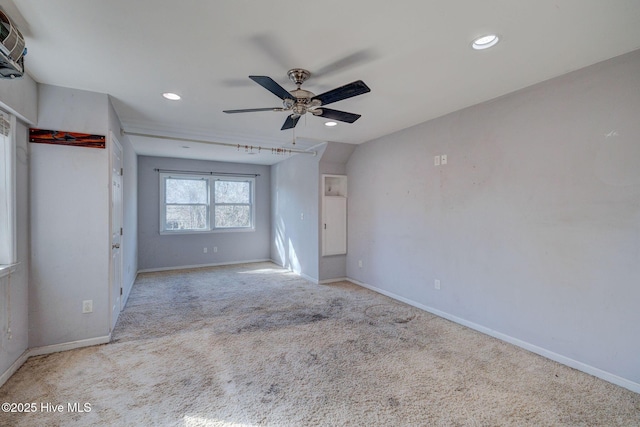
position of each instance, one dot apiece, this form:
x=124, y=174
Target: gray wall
x=69, y=198
x=168, y=251
x=296, y=203
x=295, y=214
x=533, y=226
x=20, y=97
x=333, y=161
x=62, y=196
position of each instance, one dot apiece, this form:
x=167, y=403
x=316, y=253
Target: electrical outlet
x=359, y=263
x=443, y=159
x=436, y=161
x=87, y=306
x=302, y=216
x=436, y=284
x=215, y=249
x=205, y=250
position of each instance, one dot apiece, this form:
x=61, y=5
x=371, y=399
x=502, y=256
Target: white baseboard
x=14, y=367
x=55, y=348
x=48, y=349
x=308, y=278
x=591, y=370
x=338, y=279
x=187, y=267
x=304, y=276
x=276, y=262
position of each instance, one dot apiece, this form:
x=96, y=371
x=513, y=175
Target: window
x=7, y=191
x=193, y=203
x=232, y=201
x=186, y=204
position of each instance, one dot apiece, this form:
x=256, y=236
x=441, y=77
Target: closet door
x=334, y=229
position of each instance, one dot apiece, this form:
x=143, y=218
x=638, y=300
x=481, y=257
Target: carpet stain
x=255, y=345
x=392, y=313
x=278, y=320
x=393, y=402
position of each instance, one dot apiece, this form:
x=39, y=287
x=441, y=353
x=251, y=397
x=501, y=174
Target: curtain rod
x=279, y=151
x=207, y=173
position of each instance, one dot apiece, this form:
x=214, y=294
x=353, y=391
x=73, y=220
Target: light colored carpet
x=253, y=345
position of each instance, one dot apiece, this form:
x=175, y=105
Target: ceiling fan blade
x=269, y=44
x=343, y=92
x=342, y=116
x=252, y=110
x=349, y=61
x=269, y=84
x=290, y=123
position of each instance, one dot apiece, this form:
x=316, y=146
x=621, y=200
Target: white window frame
x=211, y=179
x=251, y=203
x=8, y=242
x=163, y=204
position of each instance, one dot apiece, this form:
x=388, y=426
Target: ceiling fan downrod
x=298, y=76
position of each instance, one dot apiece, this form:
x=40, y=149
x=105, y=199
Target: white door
x=334, y=233
x=116, y=230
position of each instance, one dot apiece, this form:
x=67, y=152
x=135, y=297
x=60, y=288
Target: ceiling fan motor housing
x=302, y=101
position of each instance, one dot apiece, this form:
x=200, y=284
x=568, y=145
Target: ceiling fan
x=300, y=101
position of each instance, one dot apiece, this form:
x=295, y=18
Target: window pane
x=233, y=192
x=232, y=216
x=186, y=191
x=186, y=218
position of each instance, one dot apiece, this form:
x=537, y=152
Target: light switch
x=443, y=159
x=436, y=161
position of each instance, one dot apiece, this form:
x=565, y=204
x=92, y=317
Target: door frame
x=113, y=282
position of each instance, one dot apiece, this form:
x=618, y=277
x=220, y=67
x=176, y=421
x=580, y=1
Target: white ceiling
x=415, y=56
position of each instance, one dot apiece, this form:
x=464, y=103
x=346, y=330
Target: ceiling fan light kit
x=300, y=101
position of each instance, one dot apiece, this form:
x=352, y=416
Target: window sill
x=6, y=270
x=217, y=230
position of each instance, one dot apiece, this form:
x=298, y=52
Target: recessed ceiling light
x=330, y=124
x=485, y=42
x=171, y=96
